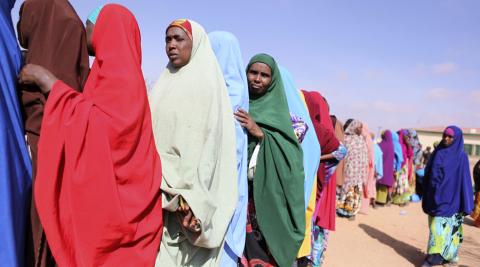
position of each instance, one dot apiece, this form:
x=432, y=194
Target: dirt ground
x=392, y=236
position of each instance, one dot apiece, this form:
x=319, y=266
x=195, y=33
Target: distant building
x=428, y=136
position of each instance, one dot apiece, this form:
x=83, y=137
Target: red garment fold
x=325, y=208
x=99, y=173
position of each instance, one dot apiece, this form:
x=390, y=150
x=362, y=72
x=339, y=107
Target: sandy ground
x=385, y=237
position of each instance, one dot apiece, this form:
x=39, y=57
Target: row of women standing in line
x=247, y=160
x=376, y=173
x=445, y=186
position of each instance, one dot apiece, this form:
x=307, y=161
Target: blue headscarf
x=15, y=166
x=94, y=15
x=398, y=151
x=227, y=51
x=447, y=183
x=378, y=160
x=310, y=145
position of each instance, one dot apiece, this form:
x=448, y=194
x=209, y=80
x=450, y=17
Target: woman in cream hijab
x=195, y=136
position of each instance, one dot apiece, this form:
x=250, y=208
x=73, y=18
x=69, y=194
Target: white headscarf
x=194, y=132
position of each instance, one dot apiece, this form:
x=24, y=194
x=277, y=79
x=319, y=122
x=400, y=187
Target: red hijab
x=99, y=173
x=325, y=208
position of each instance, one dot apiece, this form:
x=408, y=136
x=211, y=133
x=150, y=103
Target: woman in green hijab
x=276, y=212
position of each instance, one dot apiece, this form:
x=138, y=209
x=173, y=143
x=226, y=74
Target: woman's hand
x=187, y=219
x=33, y=74
x=248, y=123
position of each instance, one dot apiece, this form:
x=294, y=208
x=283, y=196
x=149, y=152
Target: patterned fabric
x=356, y=161
x=331, y=166
x=183, y=24
x=446, y=235
x=340, y=153
x=349, y=196
x=319, y=245
x=349, y=200
x=299, y=127
x=401, y=187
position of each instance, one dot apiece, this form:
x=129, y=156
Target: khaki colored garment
x=194, y=131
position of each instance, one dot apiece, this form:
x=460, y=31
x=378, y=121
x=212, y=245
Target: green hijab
x=278, y=188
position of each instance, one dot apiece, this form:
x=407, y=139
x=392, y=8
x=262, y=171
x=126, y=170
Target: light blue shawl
x=378, y=160
x=227, y=49
x=310, y=146
x=15, y=166
x=398, y=151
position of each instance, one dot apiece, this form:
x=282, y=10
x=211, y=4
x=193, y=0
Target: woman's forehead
x=174, y=30
x=260, y=66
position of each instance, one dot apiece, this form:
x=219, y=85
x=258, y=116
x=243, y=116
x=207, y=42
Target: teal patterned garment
x=446, y=235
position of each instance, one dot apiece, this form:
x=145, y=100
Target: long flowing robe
x=311, y=154
x=15, y=166
x=356, y=168
x=229, y=56
x=54, y=37
x=99, y=174
x=447, y=196
x=278, y=193
x=324, y=214
x=370, y=190
x=195, y=135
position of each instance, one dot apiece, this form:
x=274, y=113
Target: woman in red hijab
x=332, y=153
x=99, y=172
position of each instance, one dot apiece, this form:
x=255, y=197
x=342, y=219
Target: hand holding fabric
x=187, y=218
x=248, y=123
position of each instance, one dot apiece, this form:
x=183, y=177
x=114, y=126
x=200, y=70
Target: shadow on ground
x=407, y=251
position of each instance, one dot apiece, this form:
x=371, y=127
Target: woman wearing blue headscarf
x=227, y=50
x=310, y=148
x=15, y=166
x=401, y=176
x=448, y=197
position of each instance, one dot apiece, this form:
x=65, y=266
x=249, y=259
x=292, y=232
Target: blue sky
x=404, y=63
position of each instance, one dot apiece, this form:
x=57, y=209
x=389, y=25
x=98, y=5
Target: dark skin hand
x=326, y=157
x=248, y=123
x=187, y=219
x=178, y=47
x=33, y=74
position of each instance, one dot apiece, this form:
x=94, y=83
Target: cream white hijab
x=194, y=132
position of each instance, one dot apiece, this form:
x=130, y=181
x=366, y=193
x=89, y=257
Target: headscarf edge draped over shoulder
x=229, y=56
x=310, y=145
x=279, y=176
x=99, y=174
x=447, y=183
x=326, y=190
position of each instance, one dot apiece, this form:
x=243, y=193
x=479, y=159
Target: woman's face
x=447, y=140
x=359, y=129
x=259, y=77
x=178, y=47
x=89, y=30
